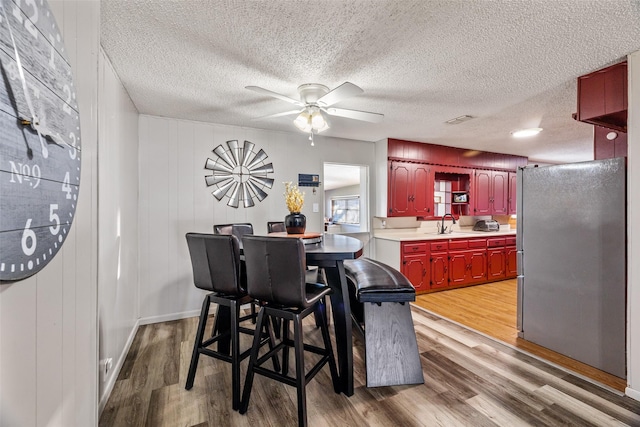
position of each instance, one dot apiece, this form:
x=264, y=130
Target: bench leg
x=391, y=348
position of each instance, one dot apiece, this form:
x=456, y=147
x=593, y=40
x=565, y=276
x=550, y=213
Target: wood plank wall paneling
x=118, y=224
x=48, y=345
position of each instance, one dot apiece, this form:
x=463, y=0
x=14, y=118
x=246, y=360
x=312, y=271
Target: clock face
x=39, y=139
x=239, y=174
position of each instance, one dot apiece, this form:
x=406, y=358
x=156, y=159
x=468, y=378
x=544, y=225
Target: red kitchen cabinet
x=511, y=262
x=439, y=265
x=415, y=264
x=496, y=264
x=602, y=97
x=490, y=192
x=410, y=189
x=414, y=268
x=467, y=267
x=513, y=189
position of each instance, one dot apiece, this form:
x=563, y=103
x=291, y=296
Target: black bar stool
x=215, y=260
x=276, y=269
x=238, y=230
x=276, y=226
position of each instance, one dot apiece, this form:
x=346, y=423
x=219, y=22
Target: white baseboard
x=168, y=317
x=634, y=394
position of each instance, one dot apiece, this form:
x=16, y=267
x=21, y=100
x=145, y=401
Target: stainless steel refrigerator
x=571, y=242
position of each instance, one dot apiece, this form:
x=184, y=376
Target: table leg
x=341, y=309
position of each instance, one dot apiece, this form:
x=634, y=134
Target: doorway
x=346, y=198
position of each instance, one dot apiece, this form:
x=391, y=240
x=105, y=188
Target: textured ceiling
x=509, y=64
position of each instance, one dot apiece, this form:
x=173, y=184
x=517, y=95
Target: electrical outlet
x=105, y=367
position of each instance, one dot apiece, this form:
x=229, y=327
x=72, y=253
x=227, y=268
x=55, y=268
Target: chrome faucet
x=443, y=229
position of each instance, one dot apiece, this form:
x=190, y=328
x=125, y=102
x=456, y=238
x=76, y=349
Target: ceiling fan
x=315, y=104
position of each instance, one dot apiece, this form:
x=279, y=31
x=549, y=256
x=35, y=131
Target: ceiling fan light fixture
x=318, y=121
x=524, y=133
x=303, y=121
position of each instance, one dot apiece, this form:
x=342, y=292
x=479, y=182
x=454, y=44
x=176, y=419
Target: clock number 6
x=28, y=239
x=53, y=216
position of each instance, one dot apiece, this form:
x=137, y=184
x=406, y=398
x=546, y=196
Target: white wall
x=175, y=200
x=118, y=225
x=48, y=348
x=633, y=233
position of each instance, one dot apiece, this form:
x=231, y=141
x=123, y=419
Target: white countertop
x=412, y=234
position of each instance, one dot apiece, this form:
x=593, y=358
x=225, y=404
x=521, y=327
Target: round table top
x=335, y=246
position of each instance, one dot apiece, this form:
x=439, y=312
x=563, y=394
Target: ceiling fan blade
x=270, y=116
x=355, y=114
x=344, y=91
x=274, y=94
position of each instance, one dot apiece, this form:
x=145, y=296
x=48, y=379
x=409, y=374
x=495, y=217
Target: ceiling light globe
x=303, y=122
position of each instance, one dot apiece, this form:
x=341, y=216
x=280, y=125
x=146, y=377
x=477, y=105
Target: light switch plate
x=316, y=207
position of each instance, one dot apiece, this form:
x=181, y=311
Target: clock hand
x=14, y=105
x=34, y=122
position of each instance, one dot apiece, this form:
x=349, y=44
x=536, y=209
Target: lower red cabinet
x=512, y=264
x=414, y=267
x=438, y=264
x=467, y=267
x=496, y=263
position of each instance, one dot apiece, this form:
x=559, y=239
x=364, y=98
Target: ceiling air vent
x=459, y=120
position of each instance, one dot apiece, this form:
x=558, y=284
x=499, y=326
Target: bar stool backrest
x=276, y=268
x=215, y=260
x=276, y=226
x=238, y=230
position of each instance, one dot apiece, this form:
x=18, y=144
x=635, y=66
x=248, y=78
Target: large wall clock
x=240, y=174
x=39, y=139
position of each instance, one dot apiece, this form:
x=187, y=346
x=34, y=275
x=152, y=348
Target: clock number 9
x=28, y=24
x=28, y=239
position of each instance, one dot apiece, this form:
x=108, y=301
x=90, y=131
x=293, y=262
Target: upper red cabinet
x=602, y=97
x=410, y=189
x=490, y=192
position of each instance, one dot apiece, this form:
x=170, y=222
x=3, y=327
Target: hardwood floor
x=491, y=309
x=470, y=380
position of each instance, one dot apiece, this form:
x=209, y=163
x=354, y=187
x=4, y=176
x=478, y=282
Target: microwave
x=460, y=197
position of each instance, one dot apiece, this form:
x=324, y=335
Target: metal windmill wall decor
x=239, y=173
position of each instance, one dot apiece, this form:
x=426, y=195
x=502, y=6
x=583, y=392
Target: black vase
x=295, y=223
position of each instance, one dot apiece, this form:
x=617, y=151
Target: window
x=345, y=210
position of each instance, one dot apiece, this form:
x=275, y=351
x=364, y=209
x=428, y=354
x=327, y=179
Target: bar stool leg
x=235, y=355
x=248, y=382
x=285, y=349
x=300, y=377
x=202, y=323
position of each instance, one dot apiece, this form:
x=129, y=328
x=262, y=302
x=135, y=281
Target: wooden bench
x=380, y=297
